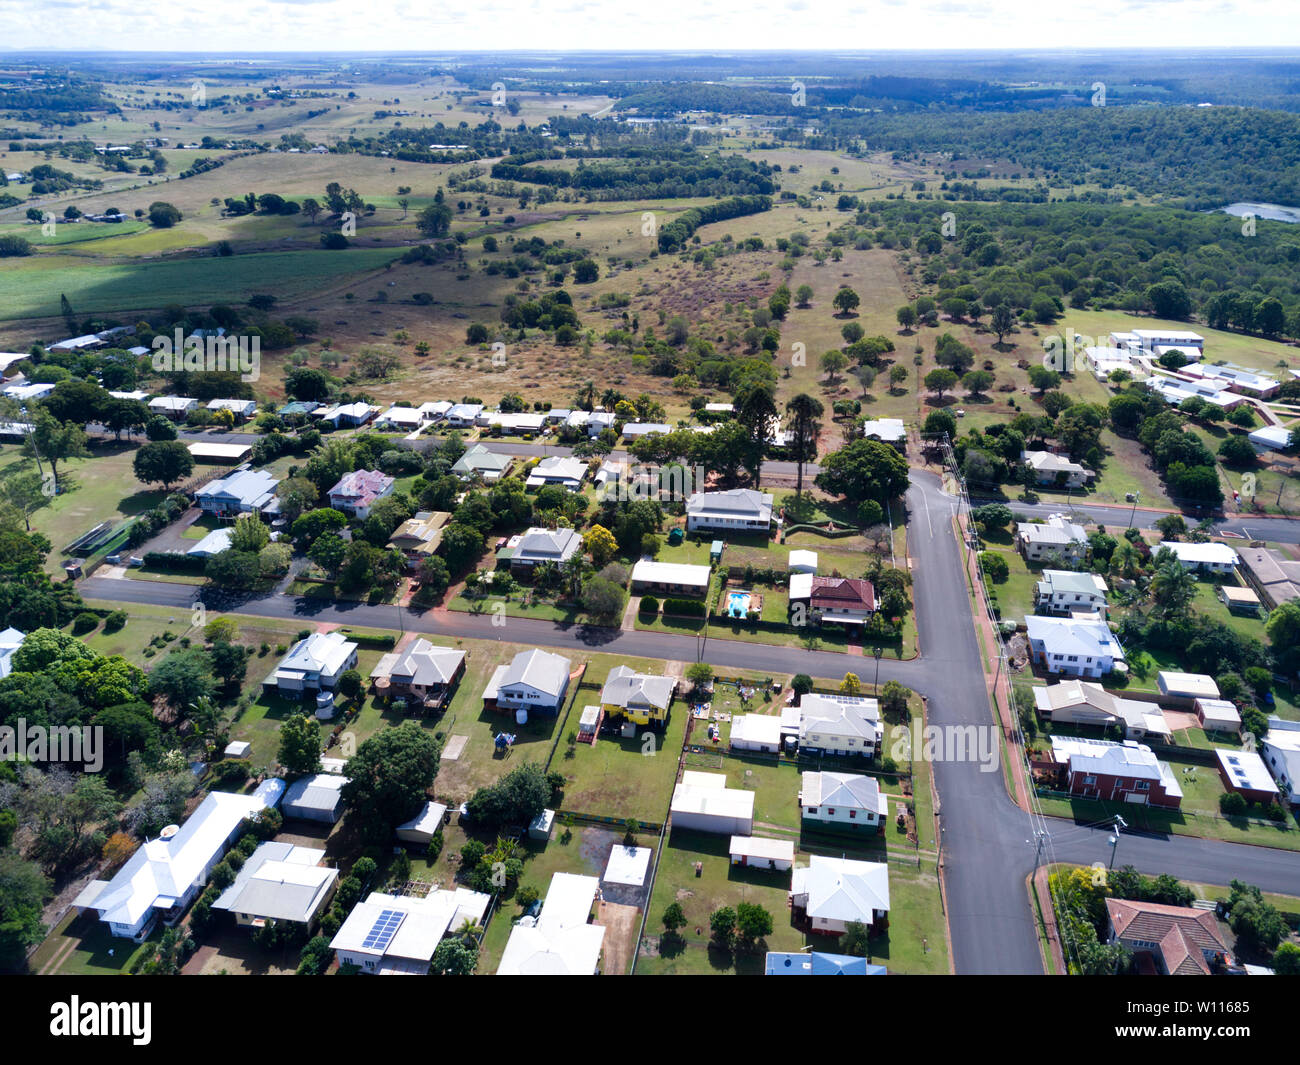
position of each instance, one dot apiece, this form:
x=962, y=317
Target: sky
x=238, y=26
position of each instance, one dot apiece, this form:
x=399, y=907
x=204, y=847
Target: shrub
x=994, y=565
x=84, y=622
x=115, y=621
x=435, y=847
x=1231, y=804
x=649, y=605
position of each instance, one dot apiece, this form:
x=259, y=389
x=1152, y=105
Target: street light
x=1136, y=497
x=877, y=651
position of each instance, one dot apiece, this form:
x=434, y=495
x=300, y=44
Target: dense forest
x=1102, y=257
x=1207, y=157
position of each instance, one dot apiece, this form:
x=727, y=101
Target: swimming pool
x=738, y=604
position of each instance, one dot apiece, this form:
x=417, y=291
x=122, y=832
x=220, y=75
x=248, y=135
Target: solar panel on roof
x=382, y=931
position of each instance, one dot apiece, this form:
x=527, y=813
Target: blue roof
x=817, y=964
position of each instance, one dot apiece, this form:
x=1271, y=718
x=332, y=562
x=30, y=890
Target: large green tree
x=864, y=469
x=389, y=776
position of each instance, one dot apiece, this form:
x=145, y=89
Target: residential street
x=987, y=842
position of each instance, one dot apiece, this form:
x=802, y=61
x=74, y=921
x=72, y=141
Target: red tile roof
x=1180, y=932
x=843, y=592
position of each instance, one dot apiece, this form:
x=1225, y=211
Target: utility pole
x=1113, y=840
x=1131, y=513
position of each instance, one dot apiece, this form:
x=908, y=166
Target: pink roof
x=362, y=487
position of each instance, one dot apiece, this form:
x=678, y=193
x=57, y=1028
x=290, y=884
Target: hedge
x=385, y=641
x=690, y=608
x=175, y=560
x=649, y=605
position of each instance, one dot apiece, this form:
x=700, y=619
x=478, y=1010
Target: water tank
x=521, y=716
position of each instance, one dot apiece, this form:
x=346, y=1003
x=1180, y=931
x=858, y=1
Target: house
x=1280, y=749
x=1208, y=557
x=403, y=418
x=166, y=874
x=703, y=802
x=434, y=412
x=242, y=492
x=1184, y=688
x=299, y=406
x=532, y=680
x=463, y=415
x=560, y=941
x=756, y=732
x=554, y=469
x=426, y=824
x=1115, y=772
x=636, y=430
x=282, y=883
x=756, y=852
x=10, y=640
x=890, y=431
x=834, y=724
x=1074, y=646
x=347, y=414
x=535, y=546
x=1218, y=715
x=832, y=893
x=242, y=409
x=173, y=407
x=421, y=536
x=318, y=797
x=669, y=578
x=1238, y=600
x=1274, y=577
x=843, y=801
x=1272, y=438
x=1056, y=470
x=396, y=935
x=1245, y=773
x=522, y=423
x=26, y=393
x=479, y=461
x=213, y=544
x=816, y=963
x=1076, y=702
x=642, y=698
x=313, y=663
x=739, y=510
x=597, y=422
x=1057, y=538
x=423, y=671
x=1168, y=940
x=357, y=492
x=1063, y=591
x=842, y=600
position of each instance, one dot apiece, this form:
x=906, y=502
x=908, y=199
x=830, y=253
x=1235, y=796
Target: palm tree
x=804, y=410
x=610, y=397
x=1126, y=560
x=587, y=395
x=1172, y=588
x=574, y=569
x=545, y=574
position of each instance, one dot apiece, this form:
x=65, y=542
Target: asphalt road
x=988, y=843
